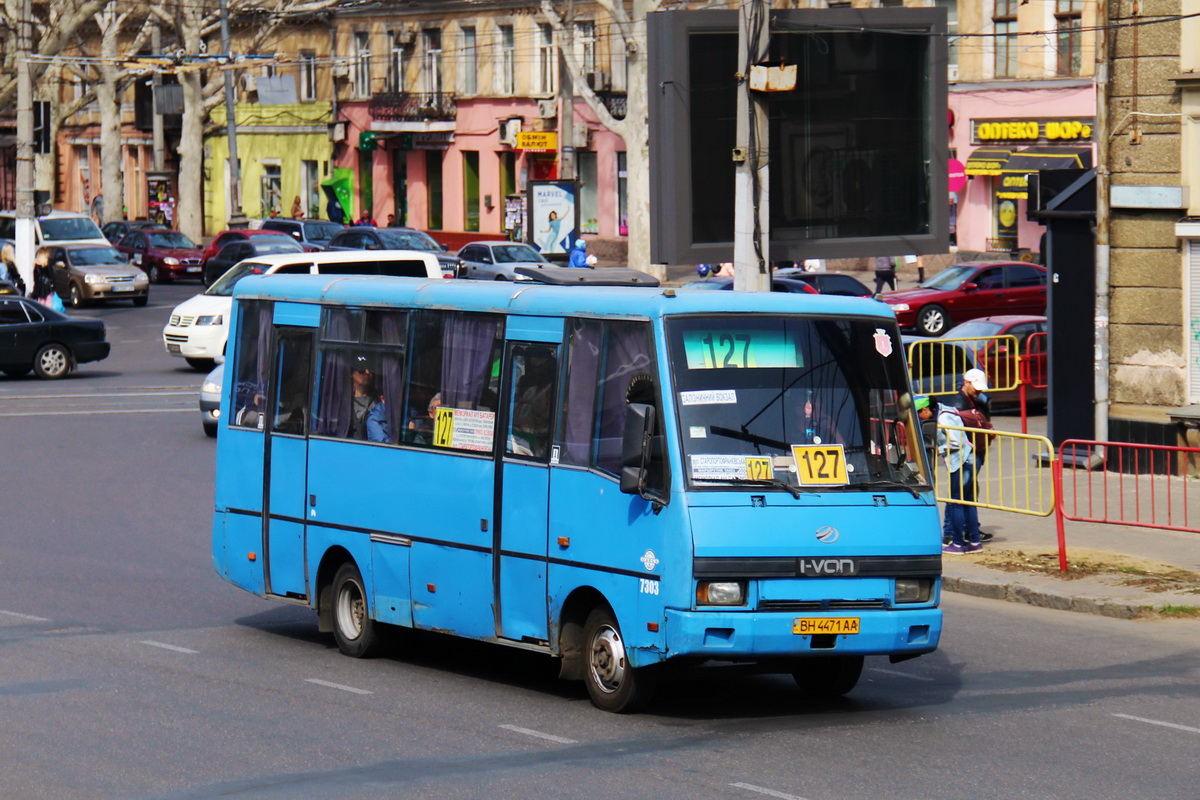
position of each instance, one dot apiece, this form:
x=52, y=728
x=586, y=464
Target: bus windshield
x=802, y=403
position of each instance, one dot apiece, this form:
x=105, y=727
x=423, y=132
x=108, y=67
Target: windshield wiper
x=775, y=482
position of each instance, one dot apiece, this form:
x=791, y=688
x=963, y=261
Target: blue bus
x=624, y=479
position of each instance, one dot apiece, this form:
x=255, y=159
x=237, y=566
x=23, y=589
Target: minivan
x=199, y=326
x=57, y=227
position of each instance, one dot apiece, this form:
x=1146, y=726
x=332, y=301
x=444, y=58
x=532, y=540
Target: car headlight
x=211, y=387
x=899, y=306
x=141, y=277
x=171, y=261
x=720, y=593
x=913, y=590
x=211, y=319
x=92, y=278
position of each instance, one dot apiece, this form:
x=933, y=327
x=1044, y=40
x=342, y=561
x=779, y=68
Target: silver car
x=497, y=261
x=210, y=399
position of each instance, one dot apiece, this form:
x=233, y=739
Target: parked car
x=237, y=251
x=199, y=326
x=314, y=234
x=57, y=227
x=7, y=287
x=34, y=337
x=968, y=291
x=939, y=367
x=364, y=237
x=777, y=285
x=828, y=282
x=85, y=273
x=498, y=260
x=236, y=235
x=210, y=399
x=115, y=231
x=163, y=255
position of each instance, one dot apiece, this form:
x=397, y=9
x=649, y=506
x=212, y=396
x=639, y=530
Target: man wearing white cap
x=976, y=412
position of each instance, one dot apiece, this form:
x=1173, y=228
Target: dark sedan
x=968, y=291
x=777, y=285
x=163, y=255
x=34, y=337
x=828, y=282
x=115, y=231
x=364, y=237
x=240, y=250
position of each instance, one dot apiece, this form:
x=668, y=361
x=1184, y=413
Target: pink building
x=1004, y=131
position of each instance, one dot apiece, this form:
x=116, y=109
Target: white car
x=199, y=327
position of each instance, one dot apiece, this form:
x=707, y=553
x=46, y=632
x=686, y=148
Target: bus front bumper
x=729, y=634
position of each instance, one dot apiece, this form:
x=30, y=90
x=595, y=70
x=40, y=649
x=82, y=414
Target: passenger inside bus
x=368, y=418
x=532, y=402
x=420, y=430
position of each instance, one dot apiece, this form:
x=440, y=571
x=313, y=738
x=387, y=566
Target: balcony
x=413, y=107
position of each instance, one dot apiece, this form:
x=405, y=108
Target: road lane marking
x=900, y=674
x=750, y=787
x=29, y=617
x=91, y=412
x=539, y=735
x=341, y=686
x=176, y=648
x=1159, y=722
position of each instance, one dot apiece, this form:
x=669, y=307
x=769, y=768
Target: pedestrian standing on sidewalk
x=954, y=446
x=885, y=272
x=976, y=412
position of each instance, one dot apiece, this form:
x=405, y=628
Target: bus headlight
x=720, y=593
x=913, y=590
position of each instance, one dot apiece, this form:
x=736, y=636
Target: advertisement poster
x=553, y=217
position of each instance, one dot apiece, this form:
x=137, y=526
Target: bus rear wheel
x=613, y=684
x=356, y=633
x=831, y=676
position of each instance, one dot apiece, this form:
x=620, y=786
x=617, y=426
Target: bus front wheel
x=355, y=632
x=613, y=684
x=831, y=676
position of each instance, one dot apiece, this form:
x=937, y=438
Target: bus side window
x=252, y=361
x=610, y=364
x=292, y=373
x=533, y=379
x=361, y=378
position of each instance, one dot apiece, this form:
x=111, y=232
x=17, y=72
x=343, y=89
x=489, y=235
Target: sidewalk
x=1112, y=595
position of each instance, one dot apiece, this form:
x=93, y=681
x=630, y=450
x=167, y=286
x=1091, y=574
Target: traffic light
x=41, y=127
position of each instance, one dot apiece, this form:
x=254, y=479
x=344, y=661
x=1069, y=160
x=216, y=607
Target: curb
x=1020, y=593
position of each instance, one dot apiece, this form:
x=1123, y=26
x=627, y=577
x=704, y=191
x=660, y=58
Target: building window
x=1004, y=21
x=362, y=64
x=271, y=190
x=397, y=61
x=1068, y=15
x=544, y=63
x=308, y=75
x=585, y=47
x=468, y=65
x=470, y=190
x=310, y=188
x=433, y=188
x=587, y=171
x=433, y=60
x=506, y=69
x=622, y=196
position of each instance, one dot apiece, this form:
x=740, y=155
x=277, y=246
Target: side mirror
x=443, y=245
x=969, y=286
x=60, y=265
x=635, y=447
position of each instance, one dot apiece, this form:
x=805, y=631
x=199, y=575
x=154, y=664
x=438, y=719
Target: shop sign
x=985, y=131
x=1014, y=187
x=537, y=141
x=432, y=140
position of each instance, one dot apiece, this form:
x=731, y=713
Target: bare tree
x=630, y=24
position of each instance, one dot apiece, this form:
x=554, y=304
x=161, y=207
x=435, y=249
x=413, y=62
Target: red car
x=938, y=366
x=968, y=291
x=242, y=234
x=163, y=255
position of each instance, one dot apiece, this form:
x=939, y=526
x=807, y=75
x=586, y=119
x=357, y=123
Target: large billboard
x=857, y=150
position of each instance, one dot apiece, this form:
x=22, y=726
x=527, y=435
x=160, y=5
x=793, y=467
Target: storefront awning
x=987, y=160
x=1014, y=176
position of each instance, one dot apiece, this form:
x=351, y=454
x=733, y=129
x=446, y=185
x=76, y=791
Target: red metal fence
x=1139, y=485
x=1032, y=372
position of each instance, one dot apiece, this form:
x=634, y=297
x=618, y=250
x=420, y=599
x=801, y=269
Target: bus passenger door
x=530, y=394
x=286, y=461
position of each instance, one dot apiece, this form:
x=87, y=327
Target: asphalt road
x=128, y=669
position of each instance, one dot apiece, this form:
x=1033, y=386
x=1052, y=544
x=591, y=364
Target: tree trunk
x=189, y=210
x=112, y=181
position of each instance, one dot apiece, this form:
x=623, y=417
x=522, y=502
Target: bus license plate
x=837, y=625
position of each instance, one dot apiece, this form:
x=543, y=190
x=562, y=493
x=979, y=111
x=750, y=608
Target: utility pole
x=751, y=216
x=566, y=99
x=25, y=211
x=158, y=159
x=236, y=218
x=1103, y=212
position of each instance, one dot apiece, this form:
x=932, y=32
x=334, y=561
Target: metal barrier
x=1033, y=371
x=1011, y=478
x=936, y=366
x=1139, y=485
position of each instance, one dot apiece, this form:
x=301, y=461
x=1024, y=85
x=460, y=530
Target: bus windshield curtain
x=580, y=397
x=468, y=345
x=392, y=372
x=333, y=415
x=627, y=357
